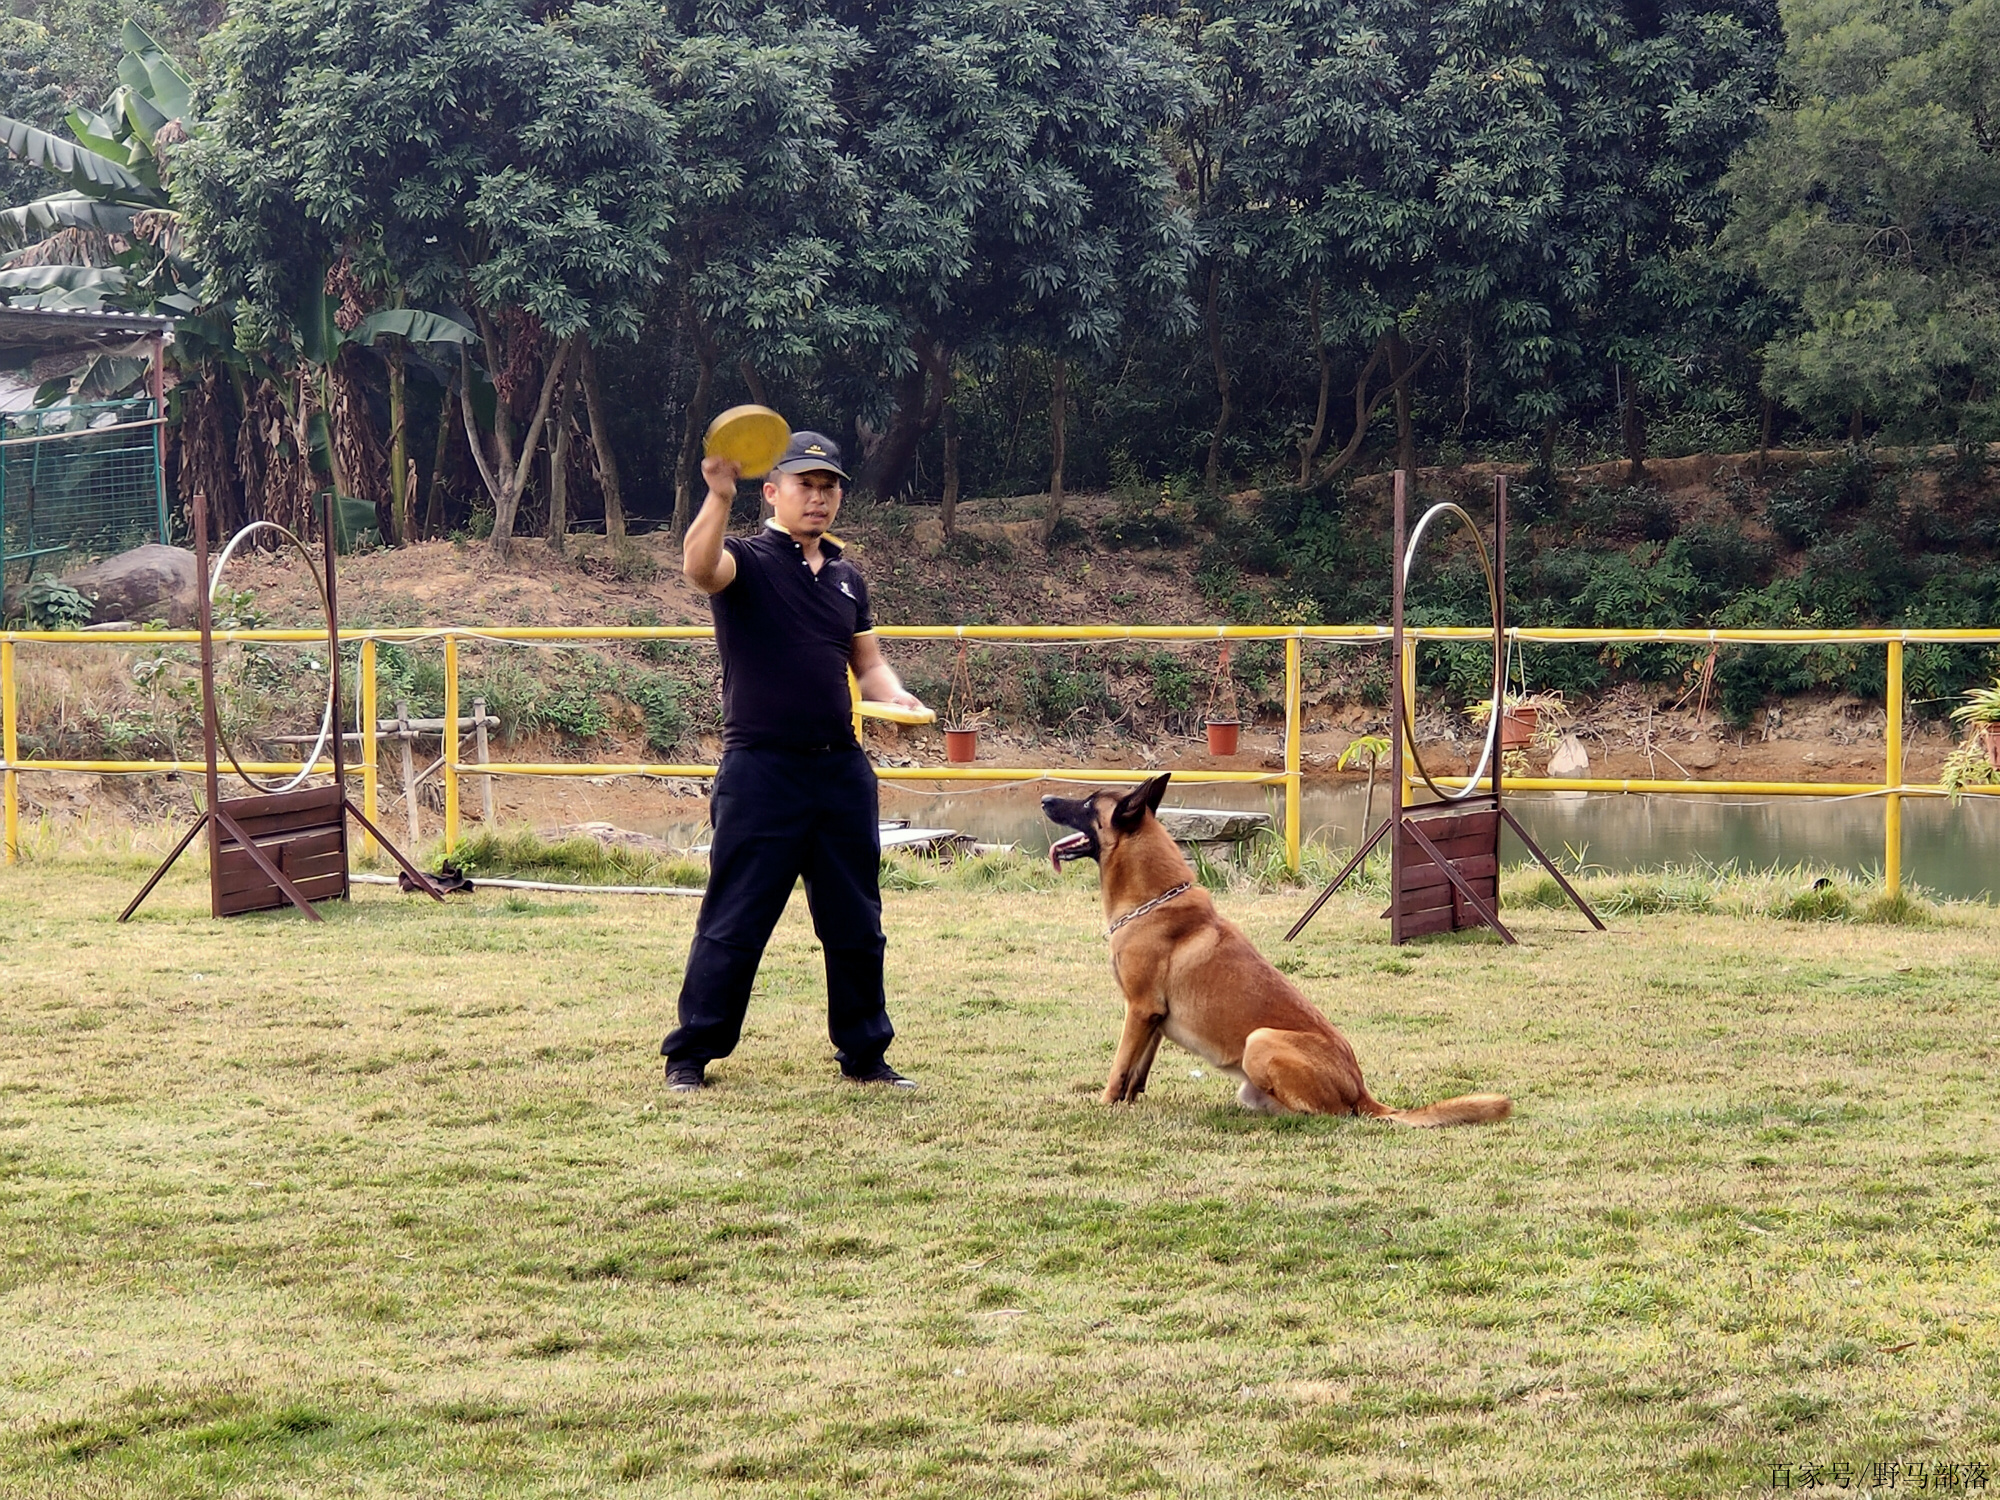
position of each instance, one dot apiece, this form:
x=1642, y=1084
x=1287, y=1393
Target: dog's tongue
x=1065, y=845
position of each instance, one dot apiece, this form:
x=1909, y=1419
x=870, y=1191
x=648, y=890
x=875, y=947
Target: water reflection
x=1953, y=851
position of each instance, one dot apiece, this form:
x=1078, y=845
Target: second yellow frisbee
x=896, y=714
x=754, y=436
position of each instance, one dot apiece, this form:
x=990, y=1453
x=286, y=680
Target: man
x=794, y=795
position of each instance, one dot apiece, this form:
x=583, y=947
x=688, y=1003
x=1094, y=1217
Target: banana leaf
x=89, y=172
x=413, y=324
x=35, y=221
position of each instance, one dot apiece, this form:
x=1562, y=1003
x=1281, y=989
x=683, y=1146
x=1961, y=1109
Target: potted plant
x=1220, y=721
x=1526, y=719
x=1976, y=762
x=961, y=728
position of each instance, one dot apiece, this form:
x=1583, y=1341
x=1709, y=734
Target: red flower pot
x=1222, y=735
x=1992, y=736
x=1517, y=728
x=961, y=746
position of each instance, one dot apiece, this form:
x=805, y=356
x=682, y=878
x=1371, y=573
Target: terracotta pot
x=1992, y=736
x=961, y=746
x=1222, y=735
x=1517, y=728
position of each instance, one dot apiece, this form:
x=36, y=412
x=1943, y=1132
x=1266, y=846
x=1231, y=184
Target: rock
x=1206, y=825
x=1701, y=755
x=148, y=583
x=1571, y=760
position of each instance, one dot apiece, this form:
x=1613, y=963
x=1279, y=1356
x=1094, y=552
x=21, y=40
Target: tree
x=495, y=162
x=763, y=199
x=1012, y=182
x=1870, y=204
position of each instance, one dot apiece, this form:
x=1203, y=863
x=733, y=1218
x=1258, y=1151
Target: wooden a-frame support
x=312, y=822
x=1444, y=857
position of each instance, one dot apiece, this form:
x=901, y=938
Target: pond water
x=1950, y=851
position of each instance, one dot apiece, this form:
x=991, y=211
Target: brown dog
x=1189, y=975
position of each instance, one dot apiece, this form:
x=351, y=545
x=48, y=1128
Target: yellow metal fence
x=1892, y=788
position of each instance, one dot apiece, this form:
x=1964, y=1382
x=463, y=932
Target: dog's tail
x=1466, y=1109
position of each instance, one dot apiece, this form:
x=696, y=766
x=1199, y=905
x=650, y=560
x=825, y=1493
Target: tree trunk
x=1058, y=431
x=919, y=406
x=1212, y=318
x=1310, y=445
x=559, y=465
x=440, y=454
x=1400, y=373
x=600, y=442
x=752, y=381
x=1366, y=405
x=695, y=423
x=948, y=508
x=401, y=502
x=507, y=477
x=1632, y=425
x=1764, y=435
x=1550, y=432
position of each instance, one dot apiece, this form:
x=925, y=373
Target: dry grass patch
x=397, y=1205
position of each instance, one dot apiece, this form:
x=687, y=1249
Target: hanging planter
x=1517, y=727
x=1220, y=722
x=1991, y=734
x=961, y=732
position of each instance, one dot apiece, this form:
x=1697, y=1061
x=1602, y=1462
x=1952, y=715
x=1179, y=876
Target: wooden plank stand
x=1444, y=856
x=273, y=848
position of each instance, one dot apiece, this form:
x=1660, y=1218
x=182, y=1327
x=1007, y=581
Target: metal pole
x=159, y=388
x=9, y=751
x=1292, y=749
x=1892, y=805
x=369, y=772
x=450, y=748
x=1402, y=662
x=210, y=730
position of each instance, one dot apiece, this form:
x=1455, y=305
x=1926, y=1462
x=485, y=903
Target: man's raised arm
x=704, y=559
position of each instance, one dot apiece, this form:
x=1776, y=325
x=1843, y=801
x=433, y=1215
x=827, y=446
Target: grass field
x=397, y=1206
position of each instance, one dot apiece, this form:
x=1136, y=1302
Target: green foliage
x=1062, y=695
x=54, y=605
x=584, y=861
x=1864, y=204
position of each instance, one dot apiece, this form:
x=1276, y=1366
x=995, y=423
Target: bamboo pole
x=1892, y=773
x=9, y=752
x=450, y=743
x=1293, y=810
x=369, y=774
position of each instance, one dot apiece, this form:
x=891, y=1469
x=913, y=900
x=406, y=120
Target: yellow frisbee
x=754, y=436
x=896, y=714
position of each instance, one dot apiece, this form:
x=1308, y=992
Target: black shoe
x=685, y=1078
x=880, y=1073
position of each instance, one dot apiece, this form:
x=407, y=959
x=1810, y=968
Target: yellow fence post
x=854, y=702
x=450, y=743
x=1892, y=805
x=366, y=671
x=9, y=752
x=1407, y=670
x=1292, y=748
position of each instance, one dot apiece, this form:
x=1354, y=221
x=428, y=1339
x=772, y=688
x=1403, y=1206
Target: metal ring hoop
x=1499, y=659
x=332, y=667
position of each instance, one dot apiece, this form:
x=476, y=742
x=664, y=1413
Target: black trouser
x=779, y=815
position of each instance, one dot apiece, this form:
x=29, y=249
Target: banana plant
x=115, y=169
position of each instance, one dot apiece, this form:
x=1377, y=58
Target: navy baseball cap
x=808, y=451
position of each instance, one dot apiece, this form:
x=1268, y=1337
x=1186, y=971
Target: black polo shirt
x=785, y=634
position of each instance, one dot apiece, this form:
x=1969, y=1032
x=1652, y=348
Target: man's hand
x=708, y=566
x=722, y=475
x=876, y=679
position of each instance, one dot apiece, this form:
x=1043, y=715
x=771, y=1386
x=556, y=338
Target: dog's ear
x=1134, y=805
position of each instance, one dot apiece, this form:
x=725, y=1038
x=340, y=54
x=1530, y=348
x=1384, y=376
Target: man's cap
x=808, y=451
